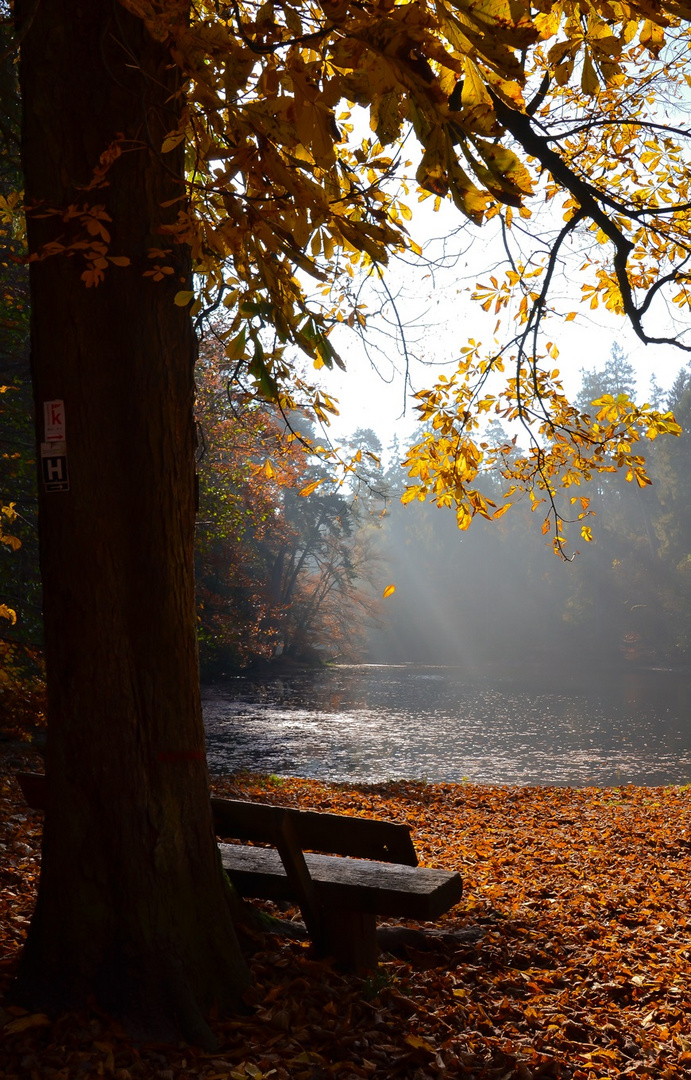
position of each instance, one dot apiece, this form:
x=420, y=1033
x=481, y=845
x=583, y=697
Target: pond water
x=377, y=722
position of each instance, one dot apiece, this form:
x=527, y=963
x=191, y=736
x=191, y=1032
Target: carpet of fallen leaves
x=583, y=969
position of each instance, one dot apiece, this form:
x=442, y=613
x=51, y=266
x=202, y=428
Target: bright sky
x=440, y=317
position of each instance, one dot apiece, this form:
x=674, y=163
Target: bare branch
x=519, y=125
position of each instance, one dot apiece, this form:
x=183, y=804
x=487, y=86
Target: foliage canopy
x=298, y=120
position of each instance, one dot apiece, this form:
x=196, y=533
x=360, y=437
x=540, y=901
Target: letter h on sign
x=55, y=472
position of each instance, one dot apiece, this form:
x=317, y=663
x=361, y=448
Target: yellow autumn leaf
x=652, y=36
x=420, y=1044
x=432, y=170
x=25, y=1023
x=253, y=1071
x=463, y=517
x=171, y=141
x=547, y=23
x=506, y=166
x=235, y=349
x=590, y=84
x=474, y=90
x=469, y=199
x=388, y=591
x=311, y=487
x=8, y=613
x=182, y=298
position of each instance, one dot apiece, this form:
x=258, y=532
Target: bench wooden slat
x=379, y=888
x=360, y=838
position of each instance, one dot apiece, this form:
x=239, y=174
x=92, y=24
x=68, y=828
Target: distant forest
x=496, y=598
x=292, y=565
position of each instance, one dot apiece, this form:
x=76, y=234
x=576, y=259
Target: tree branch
x=519, y=125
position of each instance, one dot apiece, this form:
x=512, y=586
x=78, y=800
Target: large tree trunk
x=132, y=904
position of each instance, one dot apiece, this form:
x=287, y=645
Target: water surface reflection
x=372, y=722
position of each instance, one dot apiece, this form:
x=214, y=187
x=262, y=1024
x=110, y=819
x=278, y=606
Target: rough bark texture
x=132, y=905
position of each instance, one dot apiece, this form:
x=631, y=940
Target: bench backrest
x=333, y=834
x=33, y=787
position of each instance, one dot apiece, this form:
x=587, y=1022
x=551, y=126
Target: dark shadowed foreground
x=583, y=970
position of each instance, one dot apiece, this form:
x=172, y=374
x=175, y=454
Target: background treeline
x=21, y=689
x=287, y=566
x=495, y=598
x=291, y=566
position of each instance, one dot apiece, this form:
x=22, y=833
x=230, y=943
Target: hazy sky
x=440, y=317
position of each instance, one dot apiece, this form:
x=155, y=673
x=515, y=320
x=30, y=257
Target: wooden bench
x=370, y=870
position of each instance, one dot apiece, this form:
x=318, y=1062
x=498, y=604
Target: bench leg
x=350, y=937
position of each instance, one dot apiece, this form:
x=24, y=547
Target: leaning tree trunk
x=132, y=905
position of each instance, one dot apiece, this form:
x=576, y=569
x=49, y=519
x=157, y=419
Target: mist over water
x=492, y=659
x=369, y=723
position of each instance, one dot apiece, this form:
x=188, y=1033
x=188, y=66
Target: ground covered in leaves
x=582, y=969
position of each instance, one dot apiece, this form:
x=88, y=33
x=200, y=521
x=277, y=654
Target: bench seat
x=376, y=888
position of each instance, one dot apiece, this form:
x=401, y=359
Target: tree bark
x=132, y=908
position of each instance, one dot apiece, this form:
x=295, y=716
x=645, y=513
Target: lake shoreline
x=371, y=723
